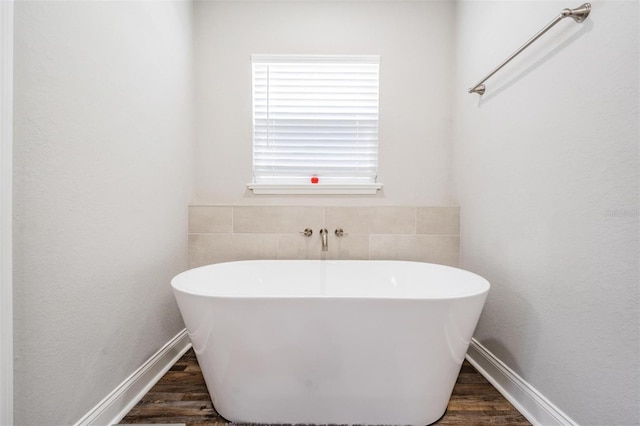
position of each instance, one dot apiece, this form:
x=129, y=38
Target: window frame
x=320, y=188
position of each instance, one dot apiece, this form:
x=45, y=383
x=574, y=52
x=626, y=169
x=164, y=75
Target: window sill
x=315, y=189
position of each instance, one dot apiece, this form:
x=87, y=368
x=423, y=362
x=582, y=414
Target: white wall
x=414, y=40
x=102, y=182
x=546, y=173
x=6, y=214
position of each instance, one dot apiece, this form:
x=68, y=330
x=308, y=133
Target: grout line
x=324, y=217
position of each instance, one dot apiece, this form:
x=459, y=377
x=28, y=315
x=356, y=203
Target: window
x=315, y=124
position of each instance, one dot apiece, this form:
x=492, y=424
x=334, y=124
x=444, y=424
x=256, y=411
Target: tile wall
x=226, y=233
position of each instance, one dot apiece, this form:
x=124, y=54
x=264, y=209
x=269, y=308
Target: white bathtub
x=330, y=342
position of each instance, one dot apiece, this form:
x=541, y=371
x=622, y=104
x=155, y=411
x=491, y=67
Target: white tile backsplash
x=205, y=249
x=443, y=249
x=418, y=233
x=372, y=220
x=276, y=220
x=207, y=219
x=438, y=220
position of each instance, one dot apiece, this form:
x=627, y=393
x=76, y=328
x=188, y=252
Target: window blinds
x=315, y=116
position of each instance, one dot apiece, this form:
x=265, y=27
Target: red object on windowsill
x=314, y=179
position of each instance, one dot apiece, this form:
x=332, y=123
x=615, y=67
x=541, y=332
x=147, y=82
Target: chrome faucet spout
x=325, y=239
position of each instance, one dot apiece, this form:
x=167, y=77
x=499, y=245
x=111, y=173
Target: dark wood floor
x=181, y=397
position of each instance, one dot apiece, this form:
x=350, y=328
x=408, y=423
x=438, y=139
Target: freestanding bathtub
x=330, y=342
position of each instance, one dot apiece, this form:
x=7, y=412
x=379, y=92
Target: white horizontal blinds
x=315, y=116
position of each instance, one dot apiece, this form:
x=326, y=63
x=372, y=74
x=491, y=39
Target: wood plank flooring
x=181, y=397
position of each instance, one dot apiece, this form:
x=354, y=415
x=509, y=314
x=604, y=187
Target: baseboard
x=121, y=400
x=524, y=397
x=531, y=403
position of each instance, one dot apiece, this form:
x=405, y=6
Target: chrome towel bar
x=578, y=14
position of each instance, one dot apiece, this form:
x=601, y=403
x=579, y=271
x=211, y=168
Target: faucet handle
x=307, y=232
x=340, y=233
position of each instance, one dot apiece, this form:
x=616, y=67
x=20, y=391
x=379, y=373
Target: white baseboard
x=121, y=400
x=531, y=403
x=524, y=397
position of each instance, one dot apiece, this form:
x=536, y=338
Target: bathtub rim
x=483, y=291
